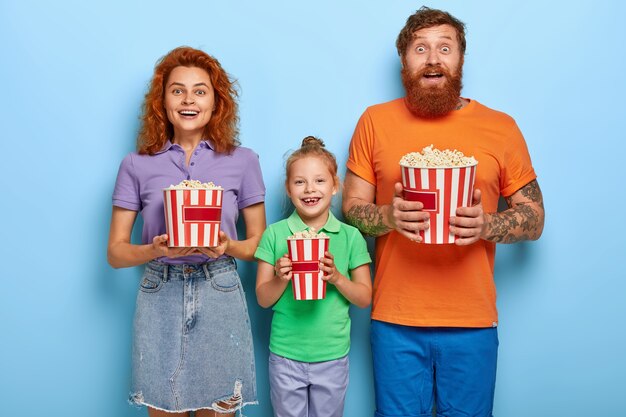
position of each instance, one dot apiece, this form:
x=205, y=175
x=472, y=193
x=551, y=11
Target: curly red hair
x=425, y=18
x=156, y=128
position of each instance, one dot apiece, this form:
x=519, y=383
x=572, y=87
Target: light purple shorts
x=308, y=389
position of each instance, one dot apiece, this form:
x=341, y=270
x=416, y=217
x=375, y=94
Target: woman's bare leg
x=153, y=412
x=211, y=413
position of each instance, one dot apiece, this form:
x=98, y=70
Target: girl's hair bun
x=312, y=141
x=312, y=146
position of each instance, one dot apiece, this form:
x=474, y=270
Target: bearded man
x=434, y=319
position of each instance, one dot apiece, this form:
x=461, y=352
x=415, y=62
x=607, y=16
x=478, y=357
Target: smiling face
x=432, y=71
x=189, y=101
x=311, y=186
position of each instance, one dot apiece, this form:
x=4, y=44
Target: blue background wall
x=72, y=79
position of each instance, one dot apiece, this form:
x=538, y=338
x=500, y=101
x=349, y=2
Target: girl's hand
x=283, y=267
x=217, y=251
x=159, y=244
x=327, y=265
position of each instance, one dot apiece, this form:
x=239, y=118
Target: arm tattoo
x=368, y=218
x=532, y=192
x=522, y=221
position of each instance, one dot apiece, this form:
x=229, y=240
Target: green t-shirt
x=313, y=330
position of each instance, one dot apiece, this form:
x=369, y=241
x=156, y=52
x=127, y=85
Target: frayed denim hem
x=136, y=400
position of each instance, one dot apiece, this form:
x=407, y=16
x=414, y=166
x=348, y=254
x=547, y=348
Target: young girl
x=309, y=343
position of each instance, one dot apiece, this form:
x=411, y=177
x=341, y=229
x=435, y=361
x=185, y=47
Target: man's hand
x=406, y=216
x=361, y=211
x=469, y=223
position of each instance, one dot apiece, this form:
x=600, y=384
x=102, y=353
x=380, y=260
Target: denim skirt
x=192, y=344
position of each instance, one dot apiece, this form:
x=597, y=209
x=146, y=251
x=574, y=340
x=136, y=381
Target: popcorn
x=435, y=158
x=308, y=234
x=194, y=184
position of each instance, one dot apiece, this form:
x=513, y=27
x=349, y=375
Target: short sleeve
x=517, y=168
x=358, y=253
x=126, y=191
x=252, y=190
x=360, y=157
x=266, y=249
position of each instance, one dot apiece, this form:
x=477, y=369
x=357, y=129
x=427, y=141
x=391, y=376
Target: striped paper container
x=442, y=191
x=305, y=254
x=192, y=216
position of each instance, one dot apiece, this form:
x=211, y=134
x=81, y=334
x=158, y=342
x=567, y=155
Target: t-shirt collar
x=168, y=145
x=296, y=224
x=206, y=143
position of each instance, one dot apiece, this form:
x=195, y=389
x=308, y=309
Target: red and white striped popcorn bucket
x=442, y=191
x=192, y=216
x=305, y=255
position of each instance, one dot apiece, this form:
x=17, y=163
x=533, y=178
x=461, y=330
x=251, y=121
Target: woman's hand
x=216, y=251
x=159, y=244
x=283, y=268
x=121, y=253
x=254, y=219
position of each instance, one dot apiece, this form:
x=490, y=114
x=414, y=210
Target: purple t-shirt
x=141, y=179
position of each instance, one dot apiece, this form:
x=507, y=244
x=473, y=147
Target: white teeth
x=188, y=112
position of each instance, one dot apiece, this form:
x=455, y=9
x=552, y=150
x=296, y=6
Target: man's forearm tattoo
x=368, y=218
x=522, y=221
x=532, y=192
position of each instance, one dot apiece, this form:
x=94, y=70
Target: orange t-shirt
x=426, y=284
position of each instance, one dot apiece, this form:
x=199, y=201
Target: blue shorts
x=416, y=368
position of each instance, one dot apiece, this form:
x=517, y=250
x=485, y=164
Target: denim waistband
x=183, y=271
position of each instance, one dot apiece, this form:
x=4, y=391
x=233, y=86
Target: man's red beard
x=433, y=101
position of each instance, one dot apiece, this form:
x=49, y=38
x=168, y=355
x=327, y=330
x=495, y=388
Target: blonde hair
x=312, y=146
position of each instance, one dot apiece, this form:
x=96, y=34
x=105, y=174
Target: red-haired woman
x=192, y=347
